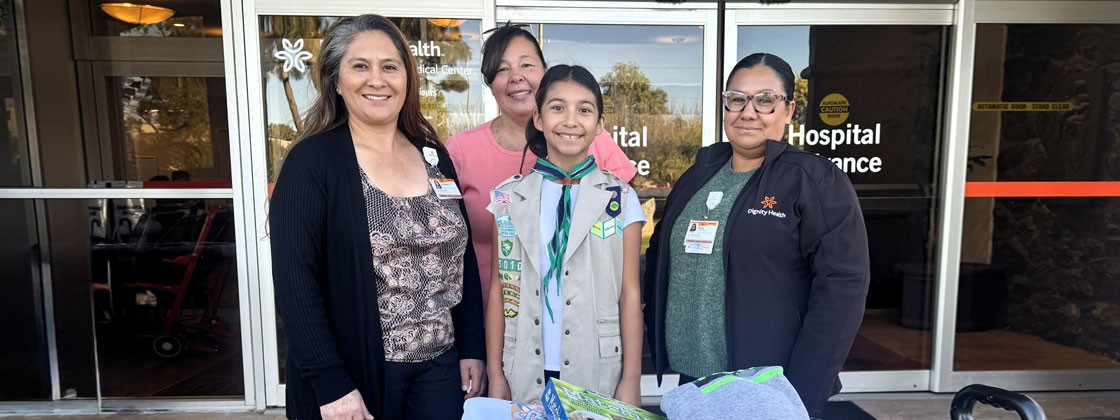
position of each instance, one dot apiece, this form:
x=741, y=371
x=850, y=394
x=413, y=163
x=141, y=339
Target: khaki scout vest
x=591, y=344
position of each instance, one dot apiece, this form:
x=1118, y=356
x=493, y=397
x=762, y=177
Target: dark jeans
x=428, y=390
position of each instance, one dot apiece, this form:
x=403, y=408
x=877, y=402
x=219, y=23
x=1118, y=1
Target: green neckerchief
x=559, y=243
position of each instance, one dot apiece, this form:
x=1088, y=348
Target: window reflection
x=15, y=169
x=1057, y=300
x=190, y=19
x=887, y=143
x=164, y=293
x=651, y=78
x=171, y=128
x=447, y=53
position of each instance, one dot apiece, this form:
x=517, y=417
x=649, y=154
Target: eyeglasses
x=508, y=24
x=763, y=103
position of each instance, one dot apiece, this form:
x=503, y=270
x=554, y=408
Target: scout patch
x=509, y=264
x=505, y=226
x=500, y=197
x=606, y=228
x=614, y=208
x=511, y=293
x=507, y=247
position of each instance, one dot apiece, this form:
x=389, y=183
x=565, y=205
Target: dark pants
x=428, y=390
x=686, y=379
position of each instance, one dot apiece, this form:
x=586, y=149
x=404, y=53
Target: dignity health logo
x=767, y=209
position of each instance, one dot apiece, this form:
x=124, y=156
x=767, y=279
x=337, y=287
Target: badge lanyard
x=445, y=188
x=714, y=198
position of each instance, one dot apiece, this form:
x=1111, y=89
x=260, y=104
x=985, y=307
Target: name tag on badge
x=700, y=237
x=445, y=188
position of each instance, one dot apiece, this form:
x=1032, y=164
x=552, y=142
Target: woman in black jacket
x=376, y=285
x=761, y=256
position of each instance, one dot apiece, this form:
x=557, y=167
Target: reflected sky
x=671, y=56
x=791, y=43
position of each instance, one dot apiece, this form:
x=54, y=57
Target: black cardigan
x=797, y=268
x=326, y=292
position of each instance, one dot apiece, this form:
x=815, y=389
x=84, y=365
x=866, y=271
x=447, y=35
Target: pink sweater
x=482, y=163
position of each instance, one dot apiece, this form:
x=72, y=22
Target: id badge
x=445, y=188
x=700, y=237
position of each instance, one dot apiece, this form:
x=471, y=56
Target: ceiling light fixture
x=446, y=23
x=141, y=14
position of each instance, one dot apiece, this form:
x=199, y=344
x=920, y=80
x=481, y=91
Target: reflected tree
x=274, y=30
x=629, y=91
x=453, y=51
x=631, y=100
x=170, y=118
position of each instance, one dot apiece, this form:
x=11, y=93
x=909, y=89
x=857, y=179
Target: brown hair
x=329, y=111
x=495, y=48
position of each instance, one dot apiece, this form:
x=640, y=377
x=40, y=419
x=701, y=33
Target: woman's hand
x=349, y=407
x=499, y=388
x=630, y=392
x=472, y=373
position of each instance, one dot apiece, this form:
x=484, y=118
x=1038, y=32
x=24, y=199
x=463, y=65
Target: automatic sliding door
x=166, y=296
x=869, y=86
x=1038, y=275
x=448, y=54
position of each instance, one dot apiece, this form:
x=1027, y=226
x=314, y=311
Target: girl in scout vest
x=564, y=297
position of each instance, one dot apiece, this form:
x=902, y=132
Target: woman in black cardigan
x=375, y=284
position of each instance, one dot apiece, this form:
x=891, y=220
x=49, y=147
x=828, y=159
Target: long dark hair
x=495, y=47
x=535, y=141
x=329, y=111
x=780, y=67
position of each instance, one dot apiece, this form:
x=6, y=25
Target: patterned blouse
x=418, y=245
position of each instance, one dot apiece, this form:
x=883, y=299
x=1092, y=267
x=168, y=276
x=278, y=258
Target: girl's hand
x=499, y=388
x=630, y=392
x=349, y=407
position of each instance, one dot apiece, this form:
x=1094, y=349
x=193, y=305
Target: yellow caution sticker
x=834, y=109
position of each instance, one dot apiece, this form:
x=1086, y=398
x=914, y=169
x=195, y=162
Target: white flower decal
x=293, y=55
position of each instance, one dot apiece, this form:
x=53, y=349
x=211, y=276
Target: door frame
x=843, y=14
x=97, y=58
x=250, y=76
x=968, y=14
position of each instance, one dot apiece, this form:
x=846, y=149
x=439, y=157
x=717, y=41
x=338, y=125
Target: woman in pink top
x=512, y=66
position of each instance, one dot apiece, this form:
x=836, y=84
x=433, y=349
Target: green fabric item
x=559, y=243
x=760, y=376
x=695, y=318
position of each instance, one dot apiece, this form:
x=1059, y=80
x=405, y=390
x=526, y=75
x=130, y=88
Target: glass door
x=1037, y=293
x=655, y=66
x=869, y=91
x=126, y=252
x=286, y=46
x=176, y=324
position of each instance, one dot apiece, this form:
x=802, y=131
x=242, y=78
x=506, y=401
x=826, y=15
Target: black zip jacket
x=797, y=267
x=326, y=285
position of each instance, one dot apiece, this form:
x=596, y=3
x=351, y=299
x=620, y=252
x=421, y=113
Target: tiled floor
x=884, y=345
